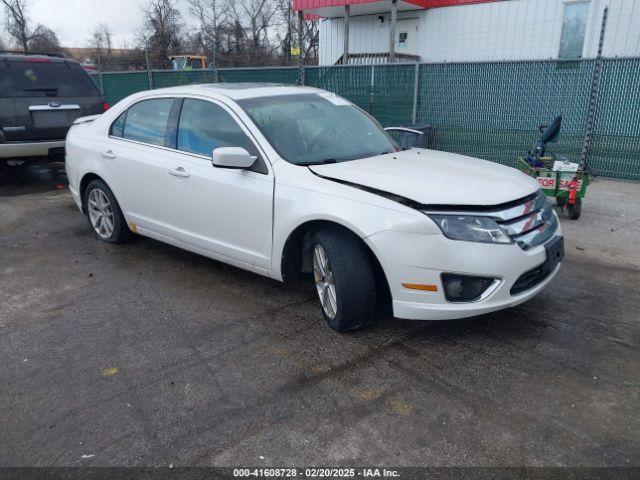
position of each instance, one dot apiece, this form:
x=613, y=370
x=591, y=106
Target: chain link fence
x=489, y=110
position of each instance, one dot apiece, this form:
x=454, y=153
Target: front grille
x=529, y=223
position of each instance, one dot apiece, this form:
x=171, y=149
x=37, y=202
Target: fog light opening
x=465, y=288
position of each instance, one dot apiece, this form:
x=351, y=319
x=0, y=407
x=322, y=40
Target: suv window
x=146, y=121
x=45, y=79
x=204, y=126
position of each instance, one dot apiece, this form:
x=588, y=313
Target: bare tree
x=161, y=31
x=16, y=22
x=44, y=39
x=311, y=39
x=101, y=38
x=256, y=17
x=287, y=40
x=100, y=41
x=287, y=34
x=211, y=14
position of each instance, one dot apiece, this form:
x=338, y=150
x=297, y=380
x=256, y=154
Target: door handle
x=108, y=154
x=179, y=172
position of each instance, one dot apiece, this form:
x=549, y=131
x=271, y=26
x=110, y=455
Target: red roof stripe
x=312, y=4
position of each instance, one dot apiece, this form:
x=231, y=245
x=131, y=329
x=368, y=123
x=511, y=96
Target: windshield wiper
x=48, y=91
x=345, y=159
x=41, y=89
x=322, y=162
x=385, y=152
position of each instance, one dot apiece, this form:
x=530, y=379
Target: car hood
x=431, y=177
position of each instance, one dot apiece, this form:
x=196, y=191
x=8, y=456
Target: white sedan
x=285, y=181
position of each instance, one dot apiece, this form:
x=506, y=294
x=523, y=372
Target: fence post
x=100, y=70
x=593, y=95
x=372, y=90
x=213, y=56
x=149, y=73
x=301, y=78
x=416, y=77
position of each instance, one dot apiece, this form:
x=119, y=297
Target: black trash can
x=412, y=135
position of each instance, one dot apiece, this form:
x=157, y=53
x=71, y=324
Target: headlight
x=471, y=229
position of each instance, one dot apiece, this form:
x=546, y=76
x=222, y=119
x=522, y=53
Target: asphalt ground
x=143, y=354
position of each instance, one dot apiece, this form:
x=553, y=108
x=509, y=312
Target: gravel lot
x=144, y=354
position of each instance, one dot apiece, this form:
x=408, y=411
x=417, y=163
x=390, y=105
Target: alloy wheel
x=100, y=213
x=325, y=284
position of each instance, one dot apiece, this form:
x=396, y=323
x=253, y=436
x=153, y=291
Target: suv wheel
x=104, y=214
x=344, y=279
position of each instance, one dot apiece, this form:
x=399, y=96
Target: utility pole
x=345, y=47
x=146, y=58
x=392, y=31
x=214, y=49
x=301, y=47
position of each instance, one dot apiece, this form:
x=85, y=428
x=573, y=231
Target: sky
x=74, y=20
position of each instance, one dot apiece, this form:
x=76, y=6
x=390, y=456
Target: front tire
x=344, y=279
x=104, y=214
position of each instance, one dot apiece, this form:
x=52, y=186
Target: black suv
x=40, y=97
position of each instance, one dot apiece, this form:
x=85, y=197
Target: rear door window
x=146, y=121
x=45, y=79
x=117, y=127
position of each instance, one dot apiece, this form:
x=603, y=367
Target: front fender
x=361, y=212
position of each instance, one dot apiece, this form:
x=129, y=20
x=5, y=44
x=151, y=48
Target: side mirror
x=232, y=157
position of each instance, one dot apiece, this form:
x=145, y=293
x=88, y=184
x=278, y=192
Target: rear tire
x=575, y=210
x=345, y=283
x=104, y=214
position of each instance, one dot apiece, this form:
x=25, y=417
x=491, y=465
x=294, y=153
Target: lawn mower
x=559, y=178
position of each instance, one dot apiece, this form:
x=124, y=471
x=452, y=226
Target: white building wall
x=623, y=29
x=515, y=29
x=507, y=30
x=367, y=34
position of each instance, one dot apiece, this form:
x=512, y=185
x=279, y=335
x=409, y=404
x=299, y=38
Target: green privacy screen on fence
x=493, y=111
x=486, y=110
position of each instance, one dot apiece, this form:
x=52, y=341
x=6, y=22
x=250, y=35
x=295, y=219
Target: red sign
x=550, y=182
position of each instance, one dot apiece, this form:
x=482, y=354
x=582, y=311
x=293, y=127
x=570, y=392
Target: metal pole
x=345, y=47
x=392, y=31
x=593, y=96
x=416, y=77
x=301, y=47
x=213, y=55
x=373, y=84
x=100, y=70
x=149, y=74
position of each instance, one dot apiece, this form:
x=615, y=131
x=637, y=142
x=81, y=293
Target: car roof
x=44, y=58
x=238, y=91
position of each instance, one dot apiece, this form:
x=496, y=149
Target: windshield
x=44, y=79
x=317, y=128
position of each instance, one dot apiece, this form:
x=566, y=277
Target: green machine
x=558, y=178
